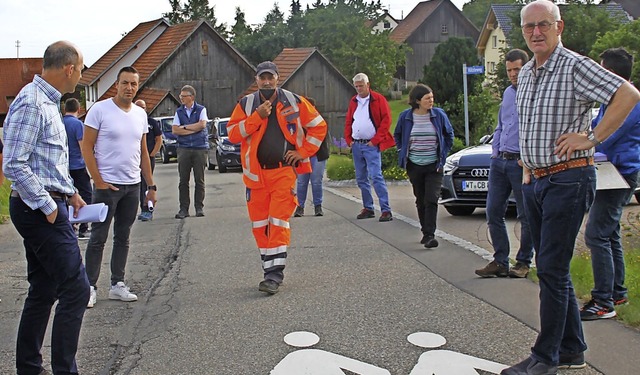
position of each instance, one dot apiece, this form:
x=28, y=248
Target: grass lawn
x=5, y=188
x=397, y=106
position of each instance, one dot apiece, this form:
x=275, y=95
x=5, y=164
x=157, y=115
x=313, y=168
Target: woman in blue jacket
x=424, y=137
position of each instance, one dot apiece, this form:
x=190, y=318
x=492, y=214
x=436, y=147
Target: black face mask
x=267, y=93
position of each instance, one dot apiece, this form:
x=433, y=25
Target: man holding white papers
x=115, y=151
x=602, y=234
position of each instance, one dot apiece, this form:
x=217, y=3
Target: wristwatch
x=592, y=138
x=152, y=187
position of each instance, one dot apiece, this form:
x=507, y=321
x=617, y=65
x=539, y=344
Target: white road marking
x=426, y=340
x=301, y=339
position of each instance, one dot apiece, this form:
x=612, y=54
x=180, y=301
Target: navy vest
x=197, y=140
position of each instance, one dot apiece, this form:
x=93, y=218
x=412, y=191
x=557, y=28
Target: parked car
x=169, y=148
x=466, y=179
x=222, y=153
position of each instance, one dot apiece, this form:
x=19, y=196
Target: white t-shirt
x=362, y=127
x=117, y=148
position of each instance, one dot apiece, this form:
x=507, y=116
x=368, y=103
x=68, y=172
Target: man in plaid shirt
x=556, y=91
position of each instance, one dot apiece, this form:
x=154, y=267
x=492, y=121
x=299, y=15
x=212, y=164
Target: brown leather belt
x=53, y=194
x=569, y=164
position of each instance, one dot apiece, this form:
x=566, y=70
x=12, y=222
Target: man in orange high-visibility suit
x=278, y=131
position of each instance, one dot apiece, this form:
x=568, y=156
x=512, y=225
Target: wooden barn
x=430, y=23
x=305, y=71
x=169, y=57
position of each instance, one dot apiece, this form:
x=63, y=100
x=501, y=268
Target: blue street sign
x=475, y=69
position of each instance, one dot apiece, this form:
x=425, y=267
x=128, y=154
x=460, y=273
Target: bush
x=458, y=144
x=340, y=167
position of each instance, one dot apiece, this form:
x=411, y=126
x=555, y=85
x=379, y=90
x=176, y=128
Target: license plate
x=475, y=185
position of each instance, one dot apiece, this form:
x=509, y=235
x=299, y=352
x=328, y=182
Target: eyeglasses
x=185, y=96
x=543, y=26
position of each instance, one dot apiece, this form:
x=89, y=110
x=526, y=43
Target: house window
x=387, y=24
x=492, y=66
x=494, y=41
x=444, y=29
x=204, y=48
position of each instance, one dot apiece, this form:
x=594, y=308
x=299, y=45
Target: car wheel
x=460, y=210
x=211, y=165
x=165, y=155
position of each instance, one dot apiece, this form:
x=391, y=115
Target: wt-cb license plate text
x=475, y=185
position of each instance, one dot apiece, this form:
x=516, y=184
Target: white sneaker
x=92, y=297
x=121, y=292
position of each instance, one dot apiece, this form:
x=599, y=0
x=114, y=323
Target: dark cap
x=267, y=67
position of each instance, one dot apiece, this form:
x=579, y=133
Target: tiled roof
x=416, y=17
x=159, y=52
x=632, y=7
x=14, y=75
x=152, y=97
x=117, y=51
x=503, y=14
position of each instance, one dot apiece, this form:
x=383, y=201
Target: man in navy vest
x=190, y=125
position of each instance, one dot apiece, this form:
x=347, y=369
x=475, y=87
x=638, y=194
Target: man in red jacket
x=367, y=133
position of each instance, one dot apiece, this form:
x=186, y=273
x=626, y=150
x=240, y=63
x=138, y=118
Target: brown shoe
x=366, y=214
x=520, y=271
x=386, y=216
x=493, y=269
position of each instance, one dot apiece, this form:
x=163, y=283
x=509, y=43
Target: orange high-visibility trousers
x=270, y=208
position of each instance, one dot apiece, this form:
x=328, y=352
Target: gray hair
x=551, y=7
x=189, y=89
x=361, y=77
x=60, y=54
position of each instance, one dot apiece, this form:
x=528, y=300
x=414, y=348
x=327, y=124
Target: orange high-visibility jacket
x=299, y=121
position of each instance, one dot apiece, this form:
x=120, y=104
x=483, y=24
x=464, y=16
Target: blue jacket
x=623, y=146
x=199, y=140
x=443, y=127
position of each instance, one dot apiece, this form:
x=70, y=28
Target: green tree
x=194, y=10
x=627, y=37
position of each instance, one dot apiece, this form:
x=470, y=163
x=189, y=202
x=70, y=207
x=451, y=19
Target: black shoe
x=318, y=210
x=493, y=269
x=199, y=213
x=181, y=214
x=430, y=243
x=299, y=212
x=84, y=234
x=366, y=214
x=594, y=311
x=571, y=361
x=530, y=366
x=268, y=286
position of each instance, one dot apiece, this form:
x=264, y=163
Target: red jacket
x=380, y=115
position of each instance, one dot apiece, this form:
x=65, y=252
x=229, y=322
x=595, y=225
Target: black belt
x=53, y=194
x=509, y=155
x=277, y=165
x=361, y=140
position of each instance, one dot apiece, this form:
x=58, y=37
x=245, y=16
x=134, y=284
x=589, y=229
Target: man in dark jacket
x=367, y=133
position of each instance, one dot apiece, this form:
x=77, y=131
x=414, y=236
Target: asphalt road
x=361, y=286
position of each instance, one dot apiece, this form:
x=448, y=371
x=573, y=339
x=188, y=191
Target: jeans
x=189, y=159
x=316, y=175
x=82, y=182
x=367, y=161
x=426, y=181
x=555, y=206
x=123, y=207
x=55, y=272
x=602, y=236
x=143, y=187
x=506, y=176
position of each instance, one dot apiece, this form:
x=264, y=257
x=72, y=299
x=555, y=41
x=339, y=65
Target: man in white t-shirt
x=115, y=151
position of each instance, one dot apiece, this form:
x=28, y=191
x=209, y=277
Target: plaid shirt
x=556, y=98
x=36, y=155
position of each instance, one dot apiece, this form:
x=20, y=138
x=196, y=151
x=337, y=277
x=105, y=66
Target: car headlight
x=225, y=147
x=170, y=141
x=451, y=164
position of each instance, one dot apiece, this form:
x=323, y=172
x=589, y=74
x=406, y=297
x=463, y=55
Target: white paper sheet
x=90, y=213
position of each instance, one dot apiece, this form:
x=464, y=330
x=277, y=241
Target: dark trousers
x=555, y=206
x=123, y=207
x=189, y=159
x=82, y=182
x=143, y=187
x=426, y=181
x=55, y=272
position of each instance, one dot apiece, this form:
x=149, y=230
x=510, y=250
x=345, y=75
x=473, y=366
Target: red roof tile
x=152, y=97
x=14, y=75
x=412, y=22
x=288, y=62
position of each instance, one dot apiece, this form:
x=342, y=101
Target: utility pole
x=17, y=49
